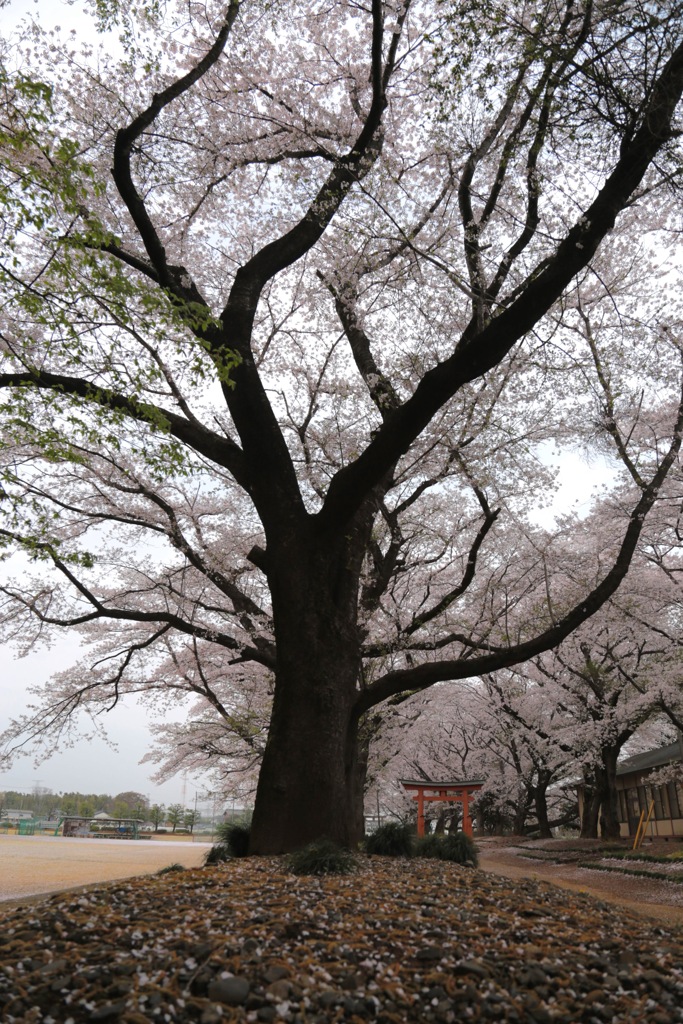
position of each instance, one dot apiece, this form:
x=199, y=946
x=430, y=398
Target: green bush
x=171, y=867
x=391, y=840
x=323, y=857
x=218, y=853
x=623, y=869
x=457, y=847
x=428, y=846
x=233, y=841
x=235, y=837
x=649, y=858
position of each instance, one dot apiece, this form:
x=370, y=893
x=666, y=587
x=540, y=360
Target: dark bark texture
x=310, y=783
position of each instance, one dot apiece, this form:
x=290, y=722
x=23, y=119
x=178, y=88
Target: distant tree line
x=45, y=804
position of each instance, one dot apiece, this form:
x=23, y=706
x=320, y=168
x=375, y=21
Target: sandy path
x=36, y=865
x=647, y=898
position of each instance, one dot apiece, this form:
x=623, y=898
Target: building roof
x=651, y=759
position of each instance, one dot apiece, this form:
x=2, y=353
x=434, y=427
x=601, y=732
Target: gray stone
x=429, y=954
x=627, y=956
x=266, y=1013
x=472, y=967
x=108, y=1012
x=533, y=977
x=280, y=989
x=357, y=1007
x=329, y=998
x=352, y=981
x=210, y=1016
x=231, y=991
x=275, y=972
x=54, y=967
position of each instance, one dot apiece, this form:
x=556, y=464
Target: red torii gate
x=449, y=792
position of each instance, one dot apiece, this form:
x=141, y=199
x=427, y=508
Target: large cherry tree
x=291, y=293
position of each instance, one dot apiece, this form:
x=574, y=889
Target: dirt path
x=651, y=898
x=32, y=867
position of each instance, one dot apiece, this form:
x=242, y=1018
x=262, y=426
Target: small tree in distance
x=287, y=311
x=157, y=815
x=190, y=819
x=174, y=815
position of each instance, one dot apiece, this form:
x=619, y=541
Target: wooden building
x=636, y=792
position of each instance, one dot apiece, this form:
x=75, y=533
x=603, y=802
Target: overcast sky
x=92, y=766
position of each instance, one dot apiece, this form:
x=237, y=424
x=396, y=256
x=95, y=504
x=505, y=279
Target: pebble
x=232, y=991
x=348, y=948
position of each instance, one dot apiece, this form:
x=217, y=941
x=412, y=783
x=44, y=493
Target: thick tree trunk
x=541, y=807
x=609, y=817
x=521, y=811
x=307, y=786
x=359, y=781
x=591, y=809
x=571, y=818
x=448, y=820
x=311, y=779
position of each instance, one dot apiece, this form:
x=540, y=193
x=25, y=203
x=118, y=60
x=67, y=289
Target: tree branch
x=123, y=147
x=423, y=676
x=217, y=449
x=478, y=351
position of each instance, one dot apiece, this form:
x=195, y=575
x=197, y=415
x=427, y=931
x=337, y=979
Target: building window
x=673, y=800
x=634, y=809
x=661, y=808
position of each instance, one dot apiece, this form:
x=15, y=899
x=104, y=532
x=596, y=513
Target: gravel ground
x=398, y=941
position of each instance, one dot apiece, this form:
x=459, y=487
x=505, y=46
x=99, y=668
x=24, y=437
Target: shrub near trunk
x=233, y=841
x=322, y=857
x=236, y=838
x=428, y=846
x=394, y=839
x=457, y=847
